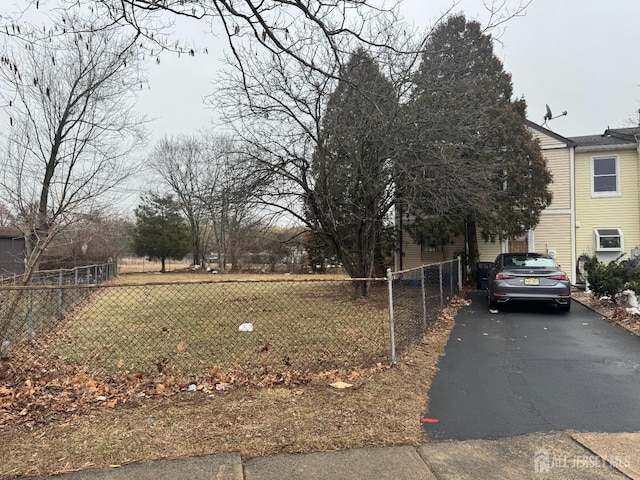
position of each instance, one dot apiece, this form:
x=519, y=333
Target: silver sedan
x=529, y=277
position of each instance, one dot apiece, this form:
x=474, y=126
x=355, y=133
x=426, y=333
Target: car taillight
x=504, y=276
x=562, y=276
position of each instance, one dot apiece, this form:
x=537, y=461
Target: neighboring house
x=607, y=194
x=12, y=251
x=595, y=208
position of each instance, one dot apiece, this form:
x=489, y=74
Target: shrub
x=632, y=275
x=606, y=279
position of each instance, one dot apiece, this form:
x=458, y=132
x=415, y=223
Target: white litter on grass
x=246, y=327
x=340, y=385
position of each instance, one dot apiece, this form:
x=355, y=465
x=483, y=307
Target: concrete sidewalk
x=555, y=455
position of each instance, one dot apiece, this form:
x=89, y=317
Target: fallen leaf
x=340, y=385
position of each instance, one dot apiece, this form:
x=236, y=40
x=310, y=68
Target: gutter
x=604, y=148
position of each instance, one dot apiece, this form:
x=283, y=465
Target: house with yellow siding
x=595, y=208
x=607, y=176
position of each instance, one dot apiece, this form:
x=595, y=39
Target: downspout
x=636, y=136
x=572, y=203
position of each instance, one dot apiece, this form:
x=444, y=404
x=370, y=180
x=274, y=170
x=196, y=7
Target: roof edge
x=546, y=131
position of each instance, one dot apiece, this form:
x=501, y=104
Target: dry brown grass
x=381, y=409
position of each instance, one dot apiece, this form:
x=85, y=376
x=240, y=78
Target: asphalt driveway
x=530, y=369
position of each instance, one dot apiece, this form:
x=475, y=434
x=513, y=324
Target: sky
x=576, y=56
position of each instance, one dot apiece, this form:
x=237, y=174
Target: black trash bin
x=482, y=275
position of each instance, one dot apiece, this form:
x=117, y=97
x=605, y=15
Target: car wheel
x=492, y=304
x=564, y=307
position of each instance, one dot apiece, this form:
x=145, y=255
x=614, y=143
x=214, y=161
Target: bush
x=632, y=275
x=612, y=278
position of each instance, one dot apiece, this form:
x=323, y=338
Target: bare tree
x=71, y=129
x=67, y=146
x=233, y=185
x=274, y=27
x=6, y=217
x=215, y=186
x=325, y=141
x=182, y=163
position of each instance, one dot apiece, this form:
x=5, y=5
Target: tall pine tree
x=352, y=167
x=471, y=163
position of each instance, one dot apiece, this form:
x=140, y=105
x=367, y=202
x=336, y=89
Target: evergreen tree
x=352, y=167
x=160, y=232
x=471, y=162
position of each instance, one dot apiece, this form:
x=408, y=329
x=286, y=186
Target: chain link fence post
x=391, y=325
x=60, y=294
x=424, y=297
x=441, y=285
x=30, y=319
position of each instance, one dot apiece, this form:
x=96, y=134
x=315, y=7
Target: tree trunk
x=472, y=245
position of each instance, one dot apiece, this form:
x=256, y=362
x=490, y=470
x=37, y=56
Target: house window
x=608, y=239
x=426, y=248
x=605, y=176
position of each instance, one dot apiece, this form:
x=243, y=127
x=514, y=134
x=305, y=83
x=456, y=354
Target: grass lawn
x=189, y=327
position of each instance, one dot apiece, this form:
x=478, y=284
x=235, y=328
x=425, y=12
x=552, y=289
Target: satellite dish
x=635, y=253
x=549, y=115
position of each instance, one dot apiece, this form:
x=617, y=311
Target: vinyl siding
x=449, y=252
x=544, y=140
x=410, y=252
x=620, y=212
x=560, y=187
x=488, y=251
x=553, y=232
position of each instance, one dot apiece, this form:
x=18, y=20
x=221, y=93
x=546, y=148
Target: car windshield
x=525, y=261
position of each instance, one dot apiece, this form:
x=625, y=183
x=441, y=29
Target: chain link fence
x=416, y=298
x=188, y=328
x=89, y=274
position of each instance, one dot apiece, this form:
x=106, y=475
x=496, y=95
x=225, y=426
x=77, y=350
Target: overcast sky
x=574, y=55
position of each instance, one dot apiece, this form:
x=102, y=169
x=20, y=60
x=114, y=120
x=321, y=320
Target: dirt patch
x=68, y=420
x=610, y=311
